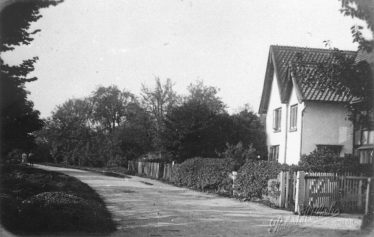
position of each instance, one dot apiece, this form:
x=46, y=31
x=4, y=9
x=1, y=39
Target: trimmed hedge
x=203, y=173
x=253, y=176
x=325, y=161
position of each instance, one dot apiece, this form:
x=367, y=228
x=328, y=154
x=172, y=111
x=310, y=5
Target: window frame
x=293, y=118
x=273, y=153
x=277, y=119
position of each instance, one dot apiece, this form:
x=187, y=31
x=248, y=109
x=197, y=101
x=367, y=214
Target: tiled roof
x=317, y=91
x=280, y=59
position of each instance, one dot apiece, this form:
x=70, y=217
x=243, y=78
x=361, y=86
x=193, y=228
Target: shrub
x=325, y=161
x=59, y=211
x=239, y=153
x=37, y=201
x=203, y=173
x=253, y=176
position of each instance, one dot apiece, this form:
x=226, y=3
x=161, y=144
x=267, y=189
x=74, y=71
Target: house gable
x=284, y=90
x=279, y=63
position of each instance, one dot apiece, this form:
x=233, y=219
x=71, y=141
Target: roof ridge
x=307, y=48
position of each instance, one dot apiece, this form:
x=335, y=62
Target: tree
x=186, y=126
x=136, y=134
x=68, y=132
x=343, y=73
x=206, y=95
x=110, y=106
x=158, y=102
x=363, y=10
x=249, y=130
x=16, y=19
x=18, y=117
x=200, y=126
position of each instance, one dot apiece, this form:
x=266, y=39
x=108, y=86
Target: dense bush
x=203, y=173
x=59, y=211
x=325, y=161
x=37, y=201
x=253, y=178
x=239, y=153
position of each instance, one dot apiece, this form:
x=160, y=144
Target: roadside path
x=146, y=207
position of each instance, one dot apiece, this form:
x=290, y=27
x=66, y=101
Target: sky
x=89, y=43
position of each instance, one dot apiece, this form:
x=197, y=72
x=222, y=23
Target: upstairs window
x=277, y=116
x=293, y=118
x=274, y=153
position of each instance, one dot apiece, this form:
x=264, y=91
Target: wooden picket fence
x=151, y=169
x=346, y=192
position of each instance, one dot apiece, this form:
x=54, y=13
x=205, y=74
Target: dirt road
x=145, y=207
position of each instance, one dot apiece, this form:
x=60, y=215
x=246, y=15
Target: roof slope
x=279, y=61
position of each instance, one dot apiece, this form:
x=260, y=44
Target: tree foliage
x=16, y=19
x=158, y=102
x=107, y=128
x=111, y=127
x=111, y=106
x=200, y=127
x=18, y=118
x=202, y=94
x=363, y=10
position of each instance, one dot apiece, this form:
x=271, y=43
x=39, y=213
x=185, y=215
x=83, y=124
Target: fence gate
x=326, y=190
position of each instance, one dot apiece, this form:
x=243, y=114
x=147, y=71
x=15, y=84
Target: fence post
x=367, y=204
x=282, y=186
x=359, y=203
x=287, y=189
x=300, y=192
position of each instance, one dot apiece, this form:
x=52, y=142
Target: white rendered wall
x=326, y=123
x=276, y=138
x=293, y=145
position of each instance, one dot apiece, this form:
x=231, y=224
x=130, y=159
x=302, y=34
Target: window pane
x=365, y=136
x=371, y=137
x=358, y=137
x=277, y=119
x=293, y=117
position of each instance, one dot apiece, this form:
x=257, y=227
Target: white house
x=299, y=117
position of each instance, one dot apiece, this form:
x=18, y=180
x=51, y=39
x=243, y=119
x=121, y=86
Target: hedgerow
x=203, y=173
x=253, y=178
x=325, y=161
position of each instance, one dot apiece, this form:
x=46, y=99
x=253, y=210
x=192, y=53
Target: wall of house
x=276, y=138
x=293, y=144
x=326, y=123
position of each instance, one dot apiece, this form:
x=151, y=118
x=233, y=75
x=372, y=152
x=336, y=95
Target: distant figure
x=31, y=158
x=24, y=158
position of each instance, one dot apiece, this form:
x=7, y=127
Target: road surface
x=146, y=207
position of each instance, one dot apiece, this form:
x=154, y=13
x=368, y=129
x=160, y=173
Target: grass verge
x=35, y=201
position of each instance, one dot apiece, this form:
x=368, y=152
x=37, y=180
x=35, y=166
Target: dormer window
x=277, y=116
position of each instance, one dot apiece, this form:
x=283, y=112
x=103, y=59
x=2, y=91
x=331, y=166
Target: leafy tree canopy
x=18, y=117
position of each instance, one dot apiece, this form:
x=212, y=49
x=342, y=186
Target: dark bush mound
x=58, y=211
x=325, y=161
x=8, y=211
x=203, y=173
x=253, y=178
x=38, y=201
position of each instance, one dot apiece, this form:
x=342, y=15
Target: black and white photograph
x=166, y=118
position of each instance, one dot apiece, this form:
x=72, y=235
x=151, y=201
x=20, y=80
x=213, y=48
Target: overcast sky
x=86, y=43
